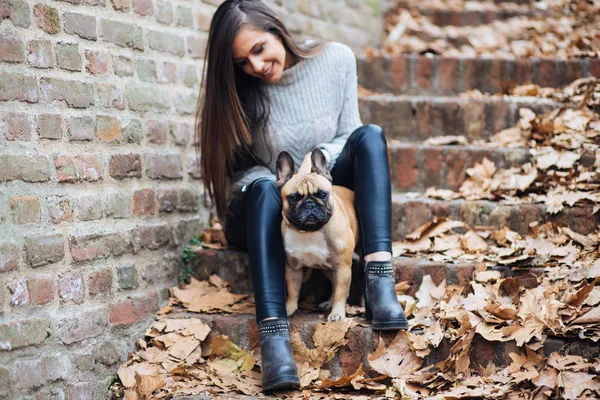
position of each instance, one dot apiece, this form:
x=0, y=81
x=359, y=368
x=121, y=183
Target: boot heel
x=368, y=313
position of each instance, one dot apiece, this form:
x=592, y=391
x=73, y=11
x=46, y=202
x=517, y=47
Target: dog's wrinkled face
x=307, y=202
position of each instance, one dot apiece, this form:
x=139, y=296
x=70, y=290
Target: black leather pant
x=255, y=223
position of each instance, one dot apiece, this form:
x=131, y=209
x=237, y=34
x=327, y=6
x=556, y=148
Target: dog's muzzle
x=310, y=216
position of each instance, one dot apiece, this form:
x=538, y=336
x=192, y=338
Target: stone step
x=417, y=118
x=232, y=265
x=409, y=213
x=362, y=341
x=416, y=167
x=480, y=16
x=443, y=76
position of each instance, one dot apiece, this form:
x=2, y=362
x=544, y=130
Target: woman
x=264, y=93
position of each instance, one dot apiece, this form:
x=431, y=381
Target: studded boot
x=381, y=303
x=278, y=366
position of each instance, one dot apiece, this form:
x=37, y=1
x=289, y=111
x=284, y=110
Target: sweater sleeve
x=349, y=118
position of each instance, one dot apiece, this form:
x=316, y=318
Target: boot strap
x=379, y=268
x=278, y=327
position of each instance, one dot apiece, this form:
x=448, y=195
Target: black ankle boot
x=278, y=366
x=382, y=308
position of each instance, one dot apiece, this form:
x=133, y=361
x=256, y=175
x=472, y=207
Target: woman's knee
x=368, y=133
x=263, y=192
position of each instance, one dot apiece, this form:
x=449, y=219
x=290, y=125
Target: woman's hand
x=306, y=164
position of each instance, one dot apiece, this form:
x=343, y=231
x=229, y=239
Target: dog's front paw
x=291, y=308
x=336, y=317
x=326, y=305
x=337, y=312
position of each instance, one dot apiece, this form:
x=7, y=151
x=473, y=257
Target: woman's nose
x=257, y=65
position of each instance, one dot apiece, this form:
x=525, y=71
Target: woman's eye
x=259, y=50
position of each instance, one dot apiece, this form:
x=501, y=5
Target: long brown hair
x=232, y=109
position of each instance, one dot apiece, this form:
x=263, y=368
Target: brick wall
x=98, y=183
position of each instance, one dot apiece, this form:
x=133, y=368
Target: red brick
x=399, y=73
x=425, y=72
x=157, y=131
x=71, y=287
x=108, y=128
x=82, y=168
x=351, y=354
x=595, y=67
x=449, y=75
x=167, y=200
x=12, y=49
x=456, y=167
x=9, y=256
x=431, y=166
x=97, y=62
x=489, y=16
x=100, y=282
x=44, y=249
x=41, y=290
x=59, y=208
x=187, y=200
x=448, y=117
x=523, y=72
x=471, y=18
x=17, y=126
x=163, y=166
x=40, y=54
x=167, y=72
x=25, y=209
x=143, y=202
x=154, y=237
x=546, y=73
x=405, y=166
x=19, y=291
x=417, y=214
x=47, y=18
x=464, y=273
x=95, y=246
x=423, y=113
x=436, y=271
x=494, y=72
x=131, y=310
x=143, y=7
x=473, y=73
x=123, y=166
x=477, y=155
x=571, y=71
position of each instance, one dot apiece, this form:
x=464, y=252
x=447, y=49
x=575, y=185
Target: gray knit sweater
x=314, y=104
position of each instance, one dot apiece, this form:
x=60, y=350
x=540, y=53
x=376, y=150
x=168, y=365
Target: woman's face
x=260, y=54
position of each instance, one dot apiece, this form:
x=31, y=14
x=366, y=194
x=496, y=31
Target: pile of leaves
x=565, y=155
x=568, y=29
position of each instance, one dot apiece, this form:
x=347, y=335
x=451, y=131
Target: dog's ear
x=285, y=168
x=319, y=164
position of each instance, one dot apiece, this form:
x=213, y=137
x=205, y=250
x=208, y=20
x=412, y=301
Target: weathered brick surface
x=9, y=256
x=25, y=209
x=18, y=87
x=125, y=166
x=438, y=76
x=100, y=282
x=17, y=126
x=19, y=292
x=82, y=168
x=22, y=333
x=44, y=249
x=83, y=325
x=132, y=310
x=41, y=290
x=101, y=245
x=47, y=18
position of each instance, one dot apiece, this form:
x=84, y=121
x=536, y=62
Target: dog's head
x=307, y=198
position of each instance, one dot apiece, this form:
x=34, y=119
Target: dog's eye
x=294, y=198
x=322, y=195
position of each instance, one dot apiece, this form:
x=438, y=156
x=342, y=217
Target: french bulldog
x=319, y=229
